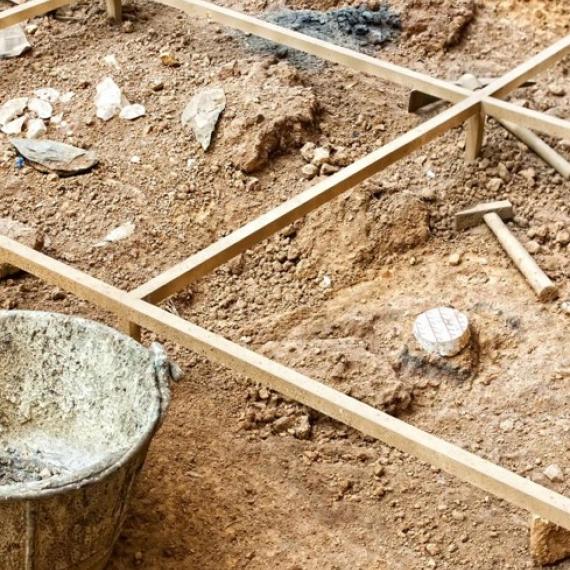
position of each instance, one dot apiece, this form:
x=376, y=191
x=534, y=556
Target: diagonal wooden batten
x=203, y=262
x=320, y=48
x=547, y=124
x=503, y=85
x=466, y=466
x=27, y=10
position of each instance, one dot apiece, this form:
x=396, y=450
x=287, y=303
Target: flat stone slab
x=51, y=156
x=21, y=233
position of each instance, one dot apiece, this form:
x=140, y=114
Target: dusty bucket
x=79, y=404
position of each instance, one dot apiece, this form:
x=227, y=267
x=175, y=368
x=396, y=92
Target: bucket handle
x=166, y=372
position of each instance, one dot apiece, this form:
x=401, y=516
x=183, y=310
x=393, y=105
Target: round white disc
x=442, y=331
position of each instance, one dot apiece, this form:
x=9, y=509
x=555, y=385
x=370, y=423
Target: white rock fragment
x=14, y=127
x=56, y=119
x=13, y=42
x=122, y=232
x=111, y=61
x=36, y=128
x=320, y=156
x=41, y=108
x=132, y=112
x=48, y=94
x=554, y=473
x=67, y=97
x=190, y=163
x=443, y=331
x=11, y=109
x=135, y=159
x=326, y=282
x=202, y=113
x=108, y=100
x=430, y=174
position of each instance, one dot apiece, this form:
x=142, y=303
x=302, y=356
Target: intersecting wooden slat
x=466, y=466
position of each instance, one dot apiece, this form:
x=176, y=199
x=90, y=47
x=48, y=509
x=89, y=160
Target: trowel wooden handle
x=538, y=280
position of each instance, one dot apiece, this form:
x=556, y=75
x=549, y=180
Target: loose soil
x=238, y=477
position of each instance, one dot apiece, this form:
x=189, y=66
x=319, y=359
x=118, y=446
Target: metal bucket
x=79, y=404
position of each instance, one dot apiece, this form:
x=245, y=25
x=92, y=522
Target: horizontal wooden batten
x=466, y=466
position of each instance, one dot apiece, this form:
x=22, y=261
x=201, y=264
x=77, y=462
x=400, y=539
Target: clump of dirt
x=368, y=226
x=351, y=27
x=437, y=25
x=346, y=364
x=276, y=112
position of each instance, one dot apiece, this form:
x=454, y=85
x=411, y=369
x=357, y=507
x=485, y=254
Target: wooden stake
x=115, y=10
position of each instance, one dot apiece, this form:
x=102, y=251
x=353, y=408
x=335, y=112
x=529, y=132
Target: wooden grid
x=137, y=309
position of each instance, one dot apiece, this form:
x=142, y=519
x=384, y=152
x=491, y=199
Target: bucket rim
x=113, y=461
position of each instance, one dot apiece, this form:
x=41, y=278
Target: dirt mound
x=438, y=25
x=276, y=112
x=348, y=366
x=370, y=229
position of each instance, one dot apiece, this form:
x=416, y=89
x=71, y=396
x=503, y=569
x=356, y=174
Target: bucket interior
x=75, y=398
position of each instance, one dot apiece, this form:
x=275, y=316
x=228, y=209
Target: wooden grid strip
x=468, y=467
x=130, y=308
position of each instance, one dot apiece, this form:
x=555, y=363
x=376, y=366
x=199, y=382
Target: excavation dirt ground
x=238, y=477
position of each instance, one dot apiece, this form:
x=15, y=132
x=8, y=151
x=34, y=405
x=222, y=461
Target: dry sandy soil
x=238, y=477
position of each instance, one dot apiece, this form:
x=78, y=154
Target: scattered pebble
x=454, y=258
x=554, y=473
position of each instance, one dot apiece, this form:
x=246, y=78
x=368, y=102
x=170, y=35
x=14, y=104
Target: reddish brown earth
x=237, y=477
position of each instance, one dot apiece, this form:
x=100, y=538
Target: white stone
x=41, y=108
x=320, y=156
x=14, y=127
x=443, y=331
x=111, y=60
x=554, y=473
x=122, y=232
x=132, y=112
x=11, y=109
x=48, y=94
x=36, y=128
x=202, y=113
x=108, y=100
x=67, y=97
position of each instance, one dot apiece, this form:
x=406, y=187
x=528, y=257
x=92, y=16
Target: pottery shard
x=202, y=114
x=549, y=543
x=21, y=233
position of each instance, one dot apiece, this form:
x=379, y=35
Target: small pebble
x=454, y=259
x=554, y=473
